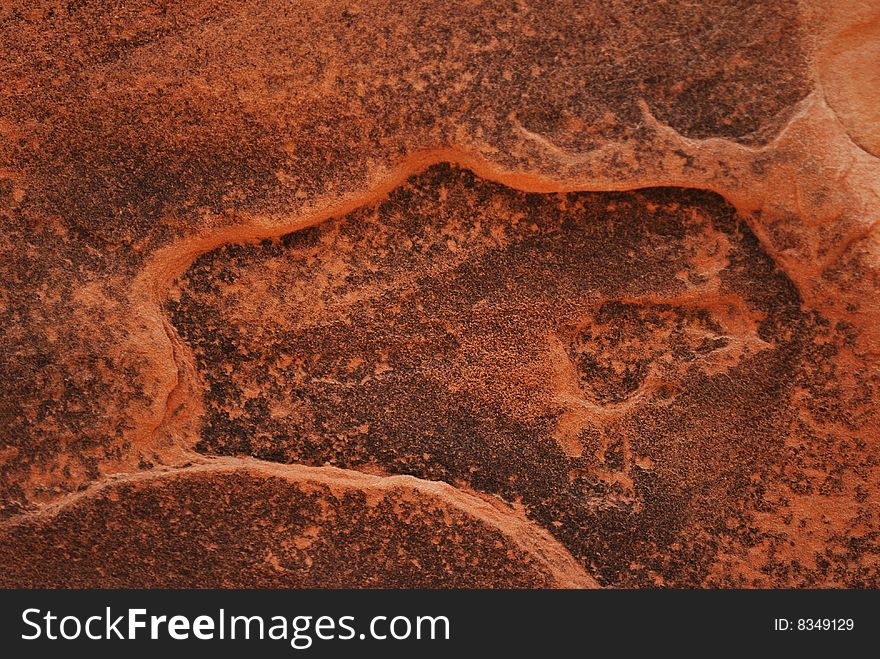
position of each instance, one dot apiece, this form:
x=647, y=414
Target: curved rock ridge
x=139, y=139
x=291, y=528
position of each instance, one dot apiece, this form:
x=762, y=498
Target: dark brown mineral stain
x=622, y=365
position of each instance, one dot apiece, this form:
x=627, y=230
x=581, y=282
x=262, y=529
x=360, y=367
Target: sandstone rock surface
x=499, y=294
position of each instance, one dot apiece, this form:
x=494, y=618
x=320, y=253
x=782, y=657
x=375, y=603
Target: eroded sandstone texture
x=439, y=294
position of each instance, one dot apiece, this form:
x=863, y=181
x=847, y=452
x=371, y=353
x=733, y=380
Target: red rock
x=610, y=272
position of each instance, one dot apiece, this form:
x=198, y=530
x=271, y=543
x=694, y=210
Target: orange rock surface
x=439, y=294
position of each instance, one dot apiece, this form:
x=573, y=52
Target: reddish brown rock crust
x=608, y=272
